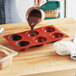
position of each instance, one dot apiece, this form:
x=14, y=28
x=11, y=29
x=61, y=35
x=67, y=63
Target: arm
x=39, y=2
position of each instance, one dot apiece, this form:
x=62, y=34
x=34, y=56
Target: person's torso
x=15, y=10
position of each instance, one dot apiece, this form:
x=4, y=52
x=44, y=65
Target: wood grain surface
x=35, y=61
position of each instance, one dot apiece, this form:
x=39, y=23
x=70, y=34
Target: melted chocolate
x=33, y=19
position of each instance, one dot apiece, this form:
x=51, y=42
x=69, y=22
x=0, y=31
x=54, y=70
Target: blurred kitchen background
x=13, y=11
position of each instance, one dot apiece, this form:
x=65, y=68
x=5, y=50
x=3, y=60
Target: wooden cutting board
x=40, y=60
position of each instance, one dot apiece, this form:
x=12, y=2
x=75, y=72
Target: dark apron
x=2, y=12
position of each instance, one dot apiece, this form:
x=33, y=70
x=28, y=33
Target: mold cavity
x=40, y=39
x=49, y=29
x=35, y=33
x=23, y=43
x=57, y=35
x=15, y=37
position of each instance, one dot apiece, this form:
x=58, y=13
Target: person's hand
x=38, y=3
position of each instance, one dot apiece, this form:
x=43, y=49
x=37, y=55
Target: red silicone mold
x=42, y=35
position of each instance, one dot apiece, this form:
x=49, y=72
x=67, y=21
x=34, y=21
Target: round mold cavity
x=35, y=33
x=22, y=43
x=57, y=35
x=49, y=29
x=41, y=39
x=15, y=37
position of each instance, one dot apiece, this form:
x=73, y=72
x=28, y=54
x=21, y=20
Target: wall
x=71, y=8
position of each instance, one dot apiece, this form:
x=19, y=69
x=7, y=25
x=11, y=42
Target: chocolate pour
x=33, y=19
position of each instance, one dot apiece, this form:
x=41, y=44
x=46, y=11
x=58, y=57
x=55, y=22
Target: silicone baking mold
x=42, y=35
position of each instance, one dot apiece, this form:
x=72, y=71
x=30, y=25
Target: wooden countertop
x=40, y=59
